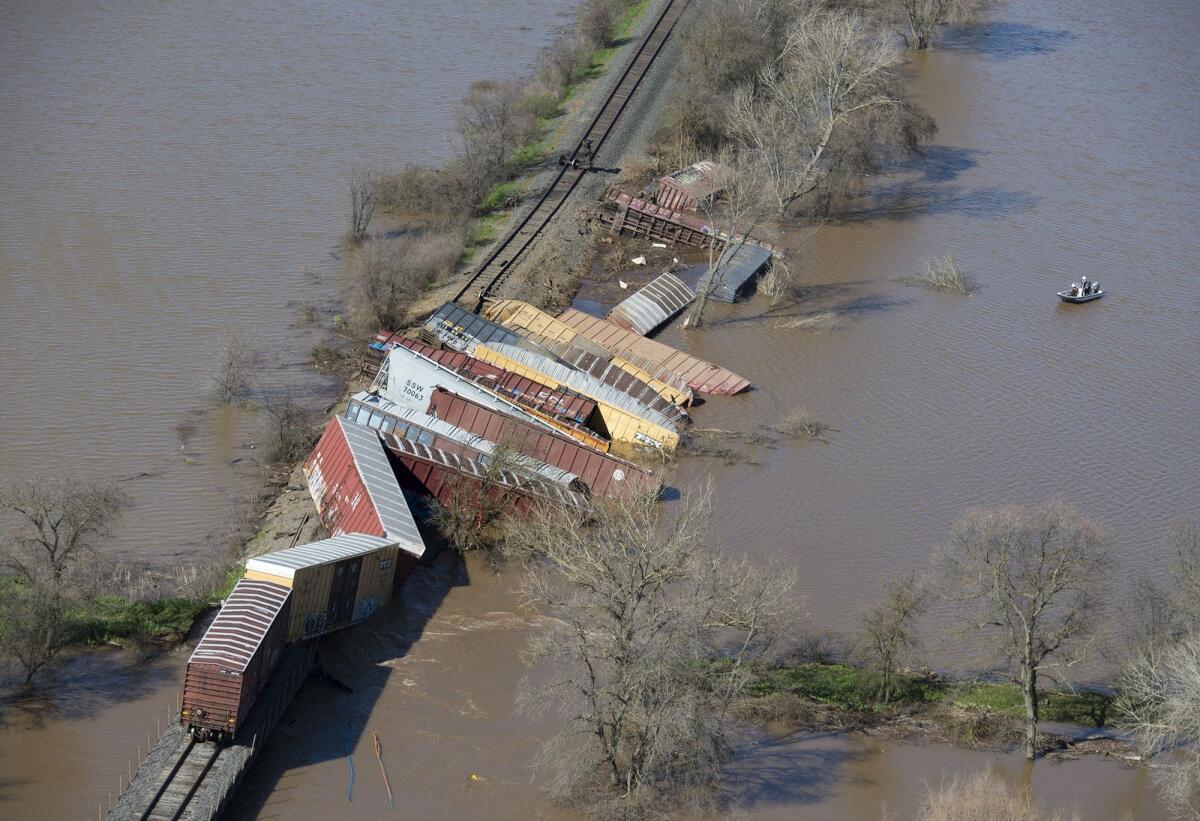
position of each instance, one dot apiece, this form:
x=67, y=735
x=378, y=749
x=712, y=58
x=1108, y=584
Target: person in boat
x=1087, y=288
x=1074, y=289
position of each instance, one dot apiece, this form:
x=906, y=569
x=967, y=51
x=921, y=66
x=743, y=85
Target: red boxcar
x=604, y=474
x=230, y=665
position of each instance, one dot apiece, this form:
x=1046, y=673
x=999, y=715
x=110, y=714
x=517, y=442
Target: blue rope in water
x=350, y=763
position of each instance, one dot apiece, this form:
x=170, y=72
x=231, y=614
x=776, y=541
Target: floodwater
x=1068, y=130
x=169, y=172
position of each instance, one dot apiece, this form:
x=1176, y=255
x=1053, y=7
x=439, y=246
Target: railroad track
x=499, y=263
x=181, y=780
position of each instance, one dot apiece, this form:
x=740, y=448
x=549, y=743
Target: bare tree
x=650, y=644
x=1159, y=703
x=234, y=368
x=1032, y=577
x=983, y=797
x=57, y=525
x=385, y=276
x=828, y=108
x=291, y=433
x=920, y=20
x=364, y=195
x=476, y=510
x=889, y=628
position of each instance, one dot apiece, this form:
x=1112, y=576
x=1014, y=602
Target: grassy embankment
x=529, y=156
x=852, y=689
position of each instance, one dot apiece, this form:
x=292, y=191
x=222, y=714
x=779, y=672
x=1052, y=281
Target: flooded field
x=171, y=172
x=1067, y=129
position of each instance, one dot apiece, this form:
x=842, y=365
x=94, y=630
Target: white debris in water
x=639, y=260
x=658, y=245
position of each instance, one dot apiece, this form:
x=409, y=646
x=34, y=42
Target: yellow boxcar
x=335, y=582
x=523, y=317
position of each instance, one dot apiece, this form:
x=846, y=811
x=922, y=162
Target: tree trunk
x=1029, y=691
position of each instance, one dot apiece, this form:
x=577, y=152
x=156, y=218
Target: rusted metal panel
x=374, y=411
x=737, y=265
x=233, y=659
x=703, y=377
x=687, y=188
x=571, y=347
x=354, y=488
x=603, y=473
x=646, y=309
x=409, y=373
x=435, y=472
x=626, y=213
x=559, y=402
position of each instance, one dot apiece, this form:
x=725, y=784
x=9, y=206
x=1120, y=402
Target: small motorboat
x=1066, y=296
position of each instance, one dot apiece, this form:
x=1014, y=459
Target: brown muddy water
x=1068, y=134
x=168, y=172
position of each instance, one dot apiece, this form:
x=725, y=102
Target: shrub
x=386, y=275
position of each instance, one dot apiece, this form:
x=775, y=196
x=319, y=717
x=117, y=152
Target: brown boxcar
x=232, y=662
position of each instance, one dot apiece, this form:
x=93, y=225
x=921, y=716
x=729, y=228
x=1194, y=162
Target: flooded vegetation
x=880, y=414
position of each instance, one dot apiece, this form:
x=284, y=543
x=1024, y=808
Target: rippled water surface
x=1067, y=146
x=169, y=171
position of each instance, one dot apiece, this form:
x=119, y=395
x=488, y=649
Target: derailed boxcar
x=232, y=662
x=603, y=473
x=335, y=582
x=355, y=490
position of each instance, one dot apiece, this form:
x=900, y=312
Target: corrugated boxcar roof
x=651, y=306
x=463, y=330
x=586, y=384
x=285, y=563
x=380, y=481
x=735, y=267
x=702, y=376
x=570, y=346
x=240, y=627
x=407, y=417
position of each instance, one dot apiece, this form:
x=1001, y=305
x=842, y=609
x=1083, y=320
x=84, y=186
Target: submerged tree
x=364, y=195
x=1031, y=577
x=57, y=526
x=919, y=20
x=650, y=642
x=475, y=510
x=828, y=109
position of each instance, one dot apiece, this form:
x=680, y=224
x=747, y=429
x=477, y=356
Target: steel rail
x=568, y=177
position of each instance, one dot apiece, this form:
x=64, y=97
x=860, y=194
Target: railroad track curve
x=499, y=263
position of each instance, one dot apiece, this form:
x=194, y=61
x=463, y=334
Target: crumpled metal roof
x=241, y=625
x=702, y=376
x=587, y=385
x=285, y=563
x=652, y=305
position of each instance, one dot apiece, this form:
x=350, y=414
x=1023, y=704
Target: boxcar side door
x=343, y=591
